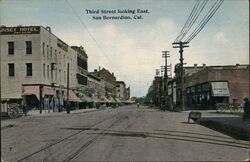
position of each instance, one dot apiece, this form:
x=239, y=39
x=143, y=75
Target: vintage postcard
x=124, y=80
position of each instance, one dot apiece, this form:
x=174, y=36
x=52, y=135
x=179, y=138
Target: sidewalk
x=229, y=124
x=45, y=113
x=8, y=122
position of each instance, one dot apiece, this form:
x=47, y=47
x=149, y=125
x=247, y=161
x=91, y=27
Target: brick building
x=214, y=84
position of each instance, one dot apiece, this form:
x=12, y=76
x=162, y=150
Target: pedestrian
x=246, y=114
x=25, y=109
x=138, y=104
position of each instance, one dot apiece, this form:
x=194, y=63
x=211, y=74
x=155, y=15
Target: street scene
x=141, y=80
x=127, y=133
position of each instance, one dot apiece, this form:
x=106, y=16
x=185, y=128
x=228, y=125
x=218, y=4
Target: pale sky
x=132, y=48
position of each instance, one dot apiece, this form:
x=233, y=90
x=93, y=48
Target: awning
x=48, y=91
x=112, y=100
x=104, y=100
x=86, y=99
x=118, y=100
x=220, y=89
x=95, y=99
x=31, y=90
x=72, y=96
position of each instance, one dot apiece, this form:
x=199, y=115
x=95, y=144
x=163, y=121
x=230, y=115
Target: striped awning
x=31, y=90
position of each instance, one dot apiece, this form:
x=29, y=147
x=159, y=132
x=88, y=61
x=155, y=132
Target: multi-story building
x=121, y=91
x=109, y=81
x=82, y=66
x=127, y=93
x=35, y=64
x=95, y=82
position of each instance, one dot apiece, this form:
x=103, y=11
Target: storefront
x=48, y=98
x=206, y=95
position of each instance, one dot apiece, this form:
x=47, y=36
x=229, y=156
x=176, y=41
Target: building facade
x=217, y=84
x=35, y=64
x=127, y=93
x=121, y=90
x=109, y=81
x=96, y=83
x=82, y=67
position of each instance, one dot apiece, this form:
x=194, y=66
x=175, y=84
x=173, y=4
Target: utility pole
x=166, y=55
x=181, y=45
x=68, y=108
x=157, y=87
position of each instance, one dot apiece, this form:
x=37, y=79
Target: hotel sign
x=20, y=30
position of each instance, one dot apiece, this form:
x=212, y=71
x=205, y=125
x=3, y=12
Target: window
x=60, y=75
x=48, y=71
x=55, y=55
x=82, y=63
x=43, y=49
x=11, y=69
x=56, y=75
x=43, y=70
x=64, y=76
x=59, y=57
x=51, y=52
x=51, y=71
x=11, y=48
x=28, y=47
x=81, y=79
x=48, y=51
x=29, y=69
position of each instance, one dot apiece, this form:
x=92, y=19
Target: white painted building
x=34, y=62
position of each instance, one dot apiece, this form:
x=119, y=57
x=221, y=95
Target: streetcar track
x=62, y=140
x=88, y=143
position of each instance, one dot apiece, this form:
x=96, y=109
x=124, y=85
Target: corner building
x=34, y=67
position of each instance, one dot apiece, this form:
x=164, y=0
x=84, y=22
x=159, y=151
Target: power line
x=205, y=20
x=190, y=16
x=92, y=37
x=194, y=18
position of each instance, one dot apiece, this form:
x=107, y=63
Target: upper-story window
x=11, y=69
x=29, y=69
x=59, y=57
x=43, y=49
x=51, y=52
x=47, y=51
x=44, y=70
x=28, y=47
x=11, y=48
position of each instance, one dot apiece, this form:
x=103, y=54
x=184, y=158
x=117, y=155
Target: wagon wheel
x=235, y=108
x=13, y=112
x=221, y=107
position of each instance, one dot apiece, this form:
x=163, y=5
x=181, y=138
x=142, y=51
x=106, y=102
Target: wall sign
x=20, y=30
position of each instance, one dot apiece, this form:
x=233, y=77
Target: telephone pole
x=166, y=55
x=181, y=45
x=157, y=88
